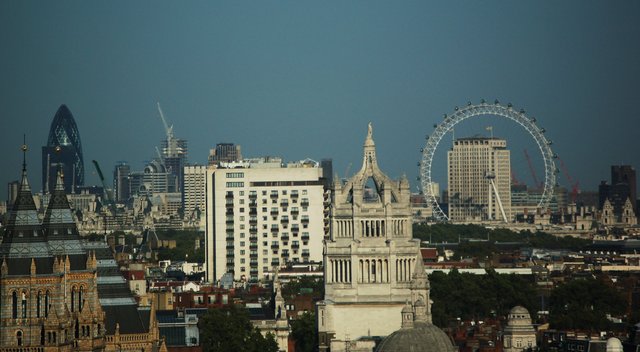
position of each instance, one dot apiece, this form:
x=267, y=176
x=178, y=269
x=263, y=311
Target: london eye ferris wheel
x=477, y=110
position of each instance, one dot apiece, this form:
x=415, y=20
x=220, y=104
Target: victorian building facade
x=48, y=282
x=58, y=293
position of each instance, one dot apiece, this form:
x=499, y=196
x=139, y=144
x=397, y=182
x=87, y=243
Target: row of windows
x=19, y=302
x=235, y=175
x=235, y=184
x=294, y=192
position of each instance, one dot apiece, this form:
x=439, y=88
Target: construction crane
x=514, y=178
x=573, y=183
x=107, y=193
x=172, y=146
x=537, y=184
x=346, y=171
x=168, y=129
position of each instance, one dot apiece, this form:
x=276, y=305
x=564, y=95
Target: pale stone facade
x=472, y=164
x=626, y=217
x=519, y=334
x=369, y=258
x=261, y=215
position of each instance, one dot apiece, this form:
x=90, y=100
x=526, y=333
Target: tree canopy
x=229, y=329
x=584, y=304
x=304, y=331
x=468, y=296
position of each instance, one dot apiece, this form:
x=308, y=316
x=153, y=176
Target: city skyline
x=300, y=80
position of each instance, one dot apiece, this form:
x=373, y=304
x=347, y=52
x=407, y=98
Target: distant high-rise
x=626, y=175
x=63, y=152
x=121, y=181
x=193, y=194
x=479, y=173
x=225, y=152
x=622, y=187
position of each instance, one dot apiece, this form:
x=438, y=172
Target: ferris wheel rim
x=484, y=109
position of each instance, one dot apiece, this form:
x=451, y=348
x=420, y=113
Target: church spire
x=24, y=182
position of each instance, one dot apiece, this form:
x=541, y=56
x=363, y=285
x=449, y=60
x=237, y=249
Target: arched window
x=24, y=304
x=80, y=298
x=14, y=305
x=46, y=304
x=19, y=338
x=38, y=304
x=73, y=298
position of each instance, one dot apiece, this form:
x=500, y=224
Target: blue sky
x=301, y=79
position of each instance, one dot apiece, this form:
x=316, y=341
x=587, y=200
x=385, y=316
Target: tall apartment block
x=262, y=214
x=193, y=194
x=479, y=174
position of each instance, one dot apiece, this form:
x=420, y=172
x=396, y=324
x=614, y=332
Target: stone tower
x=369, y=258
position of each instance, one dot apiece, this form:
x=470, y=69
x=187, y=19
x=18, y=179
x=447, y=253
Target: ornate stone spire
x=420, y=292
x=369, y=158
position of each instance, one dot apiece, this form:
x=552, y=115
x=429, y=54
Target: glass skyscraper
x=63, y=151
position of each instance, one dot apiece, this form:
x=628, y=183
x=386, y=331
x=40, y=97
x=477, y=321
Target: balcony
x=275, y=262
x=305, y=237
x=295, y=229
x=274, y=213
x=295, y=245
x=305, y=203
x=285, y=238
x=295, y=212
x=253, y=204
x=273, y=195
x=284, y=220
x=305, y=254
x=294, y=194
x=253, y=246
x=253, y=255
x=275, y=246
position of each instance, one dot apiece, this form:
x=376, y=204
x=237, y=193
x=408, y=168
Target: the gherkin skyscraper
x=63, y=152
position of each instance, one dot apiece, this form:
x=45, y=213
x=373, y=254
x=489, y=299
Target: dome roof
x=424, y=337
x=614, y=345
x=518, y=310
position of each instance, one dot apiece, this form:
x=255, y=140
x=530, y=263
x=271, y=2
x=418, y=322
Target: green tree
x=467, y=296
x=584, y=304
x=304, y=331
x=229, y=329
